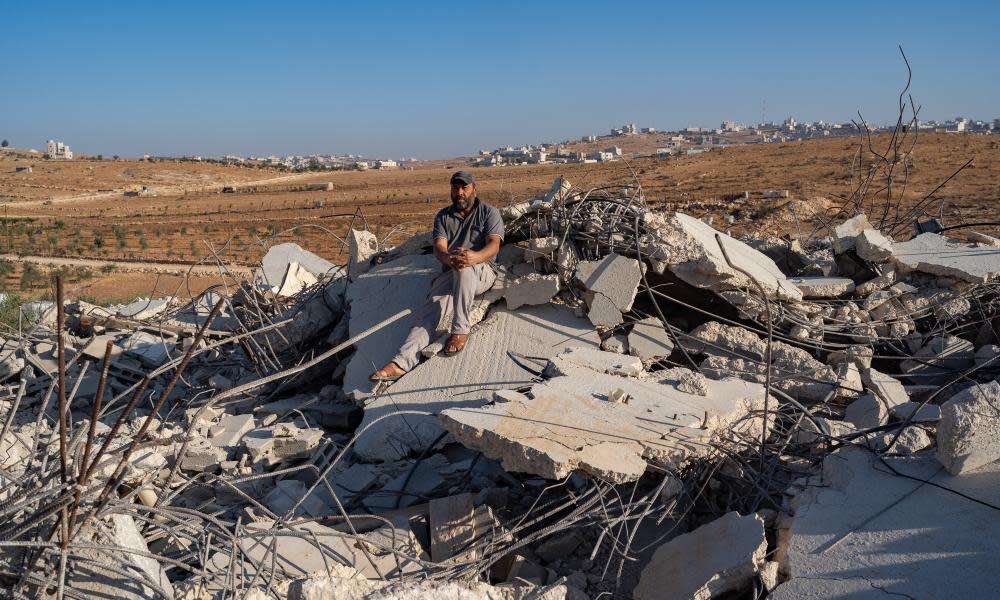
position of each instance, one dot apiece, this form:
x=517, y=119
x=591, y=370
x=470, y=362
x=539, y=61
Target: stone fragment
x=363, y=245
x=912, y=439
x=866, y=412
x=202, y=455
x=714, y=559
x=872, y=246
x=531, y=290
x=823, y=287
x=935, y=254
x=967, y=433
x=845, y=235
x=940, y=355
x=649, y=340
x=690, y=249
x=616, y=343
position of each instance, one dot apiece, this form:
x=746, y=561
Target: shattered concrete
x=967, y=432
x=935, y=254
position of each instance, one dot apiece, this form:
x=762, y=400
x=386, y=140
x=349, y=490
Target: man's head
x=463, y=189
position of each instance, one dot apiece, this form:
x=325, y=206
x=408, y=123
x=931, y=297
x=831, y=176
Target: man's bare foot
x=390, y=372
x=456, y=343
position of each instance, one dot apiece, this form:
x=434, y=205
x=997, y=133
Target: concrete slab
x=689, y=248
x=530, y=290
x=872, y=246
x=375, y=296
x=362, y=246
x=933, y=253
x=296, y=279
x=845, y=235
x=466, y=379
x=569, y=424
x=614, y=277
x=862, y=532
x=716, y=558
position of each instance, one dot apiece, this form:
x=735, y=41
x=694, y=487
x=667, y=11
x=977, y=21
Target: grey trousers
x=451, y=289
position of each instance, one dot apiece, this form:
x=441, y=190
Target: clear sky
x=439, y=79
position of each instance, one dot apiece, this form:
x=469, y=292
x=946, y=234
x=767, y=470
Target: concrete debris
x=823, y=287
x=691, y=250
x=730, y=552
x=240, y=449
x=611, y=286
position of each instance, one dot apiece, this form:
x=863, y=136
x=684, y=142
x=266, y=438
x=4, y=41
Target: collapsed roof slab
x=864, y=532
x=467, y=379
x=689, y=248
x=570, y=423
x=934, y=254
x=376, y=296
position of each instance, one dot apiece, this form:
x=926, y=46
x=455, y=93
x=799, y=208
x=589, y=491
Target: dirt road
x=127, y=266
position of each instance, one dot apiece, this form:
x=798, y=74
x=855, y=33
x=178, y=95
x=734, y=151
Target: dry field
x=60, y=210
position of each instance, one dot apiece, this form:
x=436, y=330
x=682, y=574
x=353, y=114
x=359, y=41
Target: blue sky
x=440, y=79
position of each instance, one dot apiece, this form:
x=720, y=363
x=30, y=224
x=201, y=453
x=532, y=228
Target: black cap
x=463, y=177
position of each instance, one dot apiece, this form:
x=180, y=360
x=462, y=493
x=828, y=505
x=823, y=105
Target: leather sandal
x=456, y=343
x=390, y=372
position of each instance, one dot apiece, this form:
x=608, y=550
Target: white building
x=384, y=165
x=59, y=150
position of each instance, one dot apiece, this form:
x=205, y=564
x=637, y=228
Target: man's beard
x=462, y=204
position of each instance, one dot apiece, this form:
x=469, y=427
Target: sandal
x=390, y=372
x=456, y=343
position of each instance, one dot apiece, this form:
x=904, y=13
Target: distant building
x=649, y=130
x=384, y=165
x=614, y=151
x=589, y=138
x=59, y=150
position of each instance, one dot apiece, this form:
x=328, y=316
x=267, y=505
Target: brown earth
x=58, y=210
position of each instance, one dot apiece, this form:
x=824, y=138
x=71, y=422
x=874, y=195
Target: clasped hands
x=461, y=258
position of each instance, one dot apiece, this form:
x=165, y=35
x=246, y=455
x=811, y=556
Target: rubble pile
x=647, y=407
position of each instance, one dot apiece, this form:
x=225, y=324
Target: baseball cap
x=463, y=177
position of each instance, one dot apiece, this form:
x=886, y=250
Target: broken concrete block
x=649, y=340
x=230, y=430
x=967, y=433
x=845, y=235
x=823, y=287
x=729, y=551
x=288, y=492
x=690, y=249
x=866, y=412
x=928, y=413
x=940, y=355
x=202, y=456
x=987, y=355
x=615, y=279
x=616, y=343
x=559, y=546
x=872, y=246
x=603, y=312
x=595, y=360
x=935, y=254
x=296, y=279
x=531, y=290
x=885, y=387
x=363, y=246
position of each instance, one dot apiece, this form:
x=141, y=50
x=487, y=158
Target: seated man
x=467, y=237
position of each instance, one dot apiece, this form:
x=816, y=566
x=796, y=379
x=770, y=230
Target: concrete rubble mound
x=647, y=407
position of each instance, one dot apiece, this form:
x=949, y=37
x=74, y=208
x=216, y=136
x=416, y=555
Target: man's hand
x=461, y=258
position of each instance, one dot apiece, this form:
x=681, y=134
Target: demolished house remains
x=648, y=407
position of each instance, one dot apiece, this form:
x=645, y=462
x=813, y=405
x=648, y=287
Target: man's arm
x=441, y=251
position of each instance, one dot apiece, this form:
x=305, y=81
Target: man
x=467, y=237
